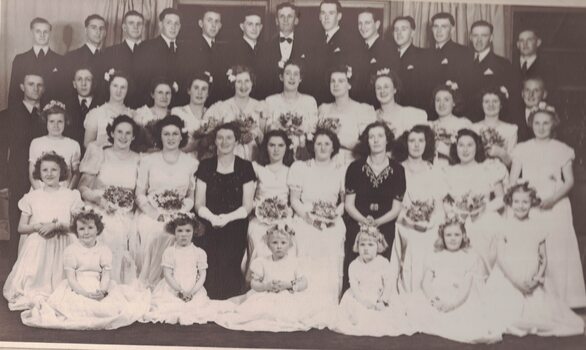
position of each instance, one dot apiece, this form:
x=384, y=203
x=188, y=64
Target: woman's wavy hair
x=401, y=148
x=171, y=119
x=362, y=149
x=522, y=187
x=440, y=243
x=294, y=62
x=87, y=215
x=122, y=118
x=232, y=126
x=182, y=219
x=123, y=75
x=55, y=107
x=330, y=134
x=51, y=157
x=155, y=83
x=479, y=156
x=263, y=151
x=459, y=106
x=239, y=69
x=397, y=83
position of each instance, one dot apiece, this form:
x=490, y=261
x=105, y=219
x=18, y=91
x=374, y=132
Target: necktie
x=35, y=112
x=212, y=43
x=41, y=54
x=97, y=52
x=172, y=47
x=524, y=67
x=476, y=58
x=327, y=37
x=282, y=39
x=366, y=45
x=84, y=106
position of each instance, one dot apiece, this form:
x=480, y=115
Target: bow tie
x=289, y=40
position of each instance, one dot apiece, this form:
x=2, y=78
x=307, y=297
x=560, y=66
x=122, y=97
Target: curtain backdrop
x=67, y=18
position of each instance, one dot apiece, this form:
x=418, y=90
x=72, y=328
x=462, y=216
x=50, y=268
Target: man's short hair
x=289, y=5
x=132, y=13
x=375, y=15
x=444, y=15
x=406, y=18
x=32, y=71
x=335, y=2
x=38, y=20
x=208, y=10
x=91, y=17
x=532, y=30
x=482, y=23
x=250, y=12
x=537, y=79
x=168, y=11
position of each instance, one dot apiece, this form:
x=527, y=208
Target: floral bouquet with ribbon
x=467, y=205
x=418, y=213
x=119, y=199
x=291, y=123
x=204, y=138
x=323, y=214
x=169, y=202
x=332, y=124
x=272, y=210
x=491, y=137
x=247, y=125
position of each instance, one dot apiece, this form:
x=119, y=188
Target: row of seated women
x=331, y=202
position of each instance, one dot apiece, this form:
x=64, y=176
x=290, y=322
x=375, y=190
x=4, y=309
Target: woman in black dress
x=375, y=185
x=223, y=200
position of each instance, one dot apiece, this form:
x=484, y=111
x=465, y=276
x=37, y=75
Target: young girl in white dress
x=368, y=307
x=88, y=298
x=45, y=221
x=449, y=304
x=147, y=117
x=55, y=117
x=520, y=303
x=279, y=299
x=180, y=296
x=547, y=164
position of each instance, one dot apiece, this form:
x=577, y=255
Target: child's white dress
x=276, y=312
x=166, y=306
x=65, y=309
x=540, y=312
x=468, y=322
x=370, y=280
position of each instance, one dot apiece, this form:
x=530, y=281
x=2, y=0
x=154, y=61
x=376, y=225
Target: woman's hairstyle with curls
x=388, y=73
x=51, y=157
x=524, y=188
x=283, y=229
x=294, y=62
x=371, y=232
x=123, y=75
x=54, y=107
x=182, y=219
x=232, y=126
x=239, y=69
x=330, y=134
x=456, y=96
x=171, y=119
x=401, y=148
x=362, y=149
x=479, y=156
x=87, y=215
x=440, y=243
x=122, y=118
x=263, y=151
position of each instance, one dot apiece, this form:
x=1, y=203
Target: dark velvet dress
x=224, y=246
x=374, y=196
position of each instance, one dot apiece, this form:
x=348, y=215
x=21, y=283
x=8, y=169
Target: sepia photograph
x=293, y=174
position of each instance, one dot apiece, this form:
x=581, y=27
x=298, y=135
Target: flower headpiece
x=383, y=71
x=231, y=76
x=54, y=103
x=281, y=227
x=372, y=232
x=504, y=91
x=108, y=75
x=349, y=72
x=175, y=86
x=210, y=78
x=452, y=85
x=85, y=211
x=181, y=215
x=543, y=106
x=281, y=64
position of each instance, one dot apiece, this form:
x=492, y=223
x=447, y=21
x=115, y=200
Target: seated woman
x=241, y=109
x=292, y=111
x=345, y=117
x=399, y=118
x=147, y=116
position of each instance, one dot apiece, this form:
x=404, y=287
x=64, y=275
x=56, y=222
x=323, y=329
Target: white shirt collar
x=402, y=50
x=330, y=33
x=132, y=44
x=440, y=46
x=528, y=59
x=482, y=55
x=37, y=48
x=168, y=41
x=87, y=98
x=92, y=47
x=291, y=35
x=29, y=106
x=371, y=41
x=208, y=40
x=251, y=43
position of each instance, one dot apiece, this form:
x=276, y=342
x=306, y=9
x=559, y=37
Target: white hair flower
x=54, y=103
x=175, y=86
x=452, y=84
x=383, y=71
x=231, y=76
x=108, y=75
x=348, y=72
x=281, y=64
x=505, y=92
x=210, y=78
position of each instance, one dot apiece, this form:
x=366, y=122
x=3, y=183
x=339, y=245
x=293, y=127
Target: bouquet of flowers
x=247, y=125
x=170, y=201
x=332, y=124
x=420, y=211
x=443, y=135
x=147, y=135
x=291, y=123
x=204, y=138
x=323, y=214
x=119, y=199
x=491, y=137
x=271, y=210
x=468, y=204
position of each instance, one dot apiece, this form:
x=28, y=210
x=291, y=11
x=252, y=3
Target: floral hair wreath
x=382, y=72
x=180, y=215
x=175, y=86
x=281, y=227
x=349, y=72
x=85, y=210
x=230, y=75
x=108, y=75
x=452, y=85
x=504, y=91
x=543, y=106
x=525, y=186
x=209, y=75
x=54, y=103
x=374, y=233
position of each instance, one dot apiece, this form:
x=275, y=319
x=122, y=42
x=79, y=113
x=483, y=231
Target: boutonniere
x=410, y=67
x=445, y=61
x=337, y=49
x=303, y=55
x=488, y=71
x=373, y=60
x=55, y=69
x=281, y=64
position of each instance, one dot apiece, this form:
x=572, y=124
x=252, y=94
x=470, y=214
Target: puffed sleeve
x=498, y=172
x=213, y=112
x=76, y=202
x=295, y=178
x=91, y=119
x=35, y=150
x=105, y=258
x=168, y=259
x=310, y=120
x=92, y=160
x=351, y=178
x=24, y=204
x=398, y=181
x=76, y=155
x=247, y=172
x=353, y=275
x=69, y=259
x=565, y=154
x=204, y=170
x=257, y=269
x=367, y=115
x=517, y=155
x=202, y=259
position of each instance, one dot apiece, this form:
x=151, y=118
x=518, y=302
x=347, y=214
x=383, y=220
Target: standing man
x=413, y=68
x=488, y=70
x=533, y=93
x=121, y=56
x=39, y=58
x=280, y=49
x=531, y=63
x=164, y=57
x=24, y=124
x=211, y=54
x=80, y=100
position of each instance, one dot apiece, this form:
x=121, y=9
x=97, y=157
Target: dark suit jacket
x=492, y=71
x=4, y=144
x=75, y=129
x=83, y=57
x=414, y=72
x=540, y=68
x=50, y=67
x=213, y=60
x=153, y=59
x=269, y=70
x=119, y=57
x=241, y=53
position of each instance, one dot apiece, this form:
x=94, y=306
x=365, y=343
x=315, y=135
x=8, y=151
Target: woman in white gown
x=499, y=137
x=422, y=208
x=242, y=109
x=547, y=164
x=475, y=193
x=292, y=111
x=147, y=116
x=97, y=119
x=317, y=198
x=346, y=117
x=398, y=118
x=165, y=185
x=107, y=184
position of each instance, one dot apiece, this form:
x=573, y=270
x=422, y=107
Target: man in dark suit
x=80, y=101
x=448, y=59
x=121, y=56
x=24, y=124
x=40, y=58
x=280, y=49
x=164, y=57
x=488, y=70
x=413, y=68
x=335, y=49
x=533, y=92
x=375, y=54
